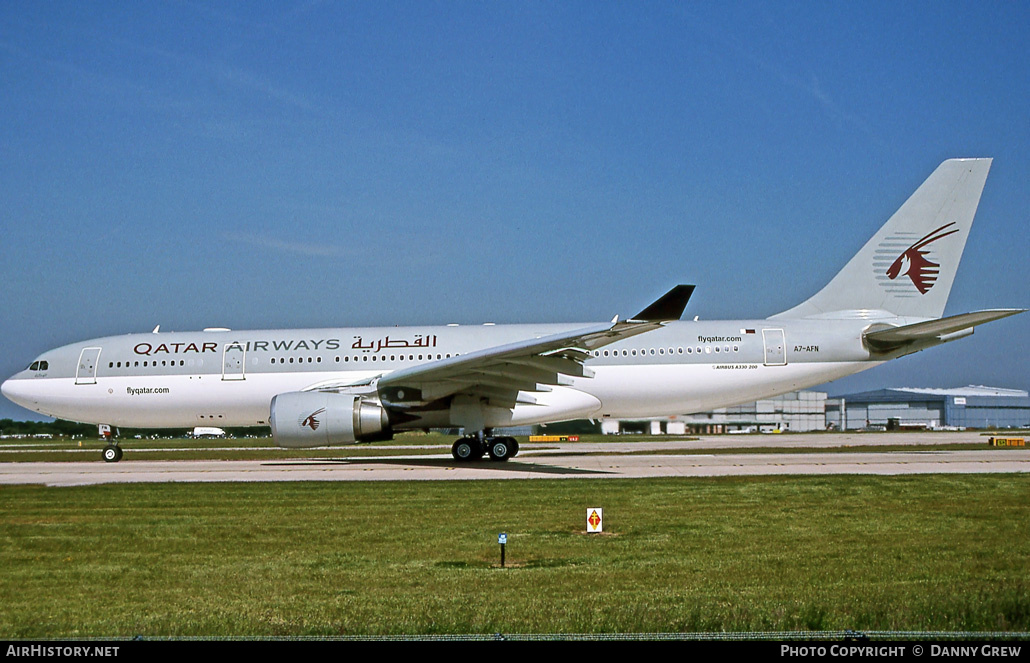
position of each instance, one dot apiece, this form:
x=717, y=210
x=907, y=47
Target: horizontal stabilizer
x=669, y=306
x=934, y=330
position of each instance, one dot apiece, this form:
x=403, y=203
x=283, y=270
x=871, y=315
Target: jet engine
x=317, y=418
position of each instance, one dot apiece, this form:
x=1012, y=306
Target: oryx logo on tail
x=312, y=421
x=914, y=264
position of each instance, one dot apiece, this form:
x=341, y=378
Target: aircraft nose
x=15, y=392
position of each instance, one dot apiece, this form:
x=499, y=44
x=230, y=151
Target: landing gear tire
x=501, y=449
x=465, y=450
x=112, y=453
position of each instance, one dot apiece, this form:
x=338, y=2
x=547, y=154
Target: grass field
x=927, y=552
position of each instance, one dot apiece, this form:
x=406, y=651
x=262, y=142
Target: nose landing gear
x=112, y=453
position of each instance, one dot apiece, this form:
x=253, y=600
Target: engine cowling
x=317, y=419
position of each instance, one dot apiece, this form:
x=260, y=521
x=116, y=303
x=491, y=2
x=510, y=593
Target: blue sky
x=197, y=164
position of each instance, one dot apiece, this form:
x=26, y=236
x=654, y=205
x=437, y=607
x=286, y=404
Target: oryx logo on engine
x=312, y=421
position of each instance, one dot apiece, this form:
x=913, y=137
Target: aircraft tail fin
x=908, y=267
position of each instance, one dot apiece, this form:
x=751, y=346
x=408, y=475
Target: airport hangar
x=963, y=407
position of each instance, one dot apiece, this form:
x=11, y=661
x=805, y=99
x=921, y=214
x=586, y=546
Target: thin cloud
x=296, y=248
x=809, y=85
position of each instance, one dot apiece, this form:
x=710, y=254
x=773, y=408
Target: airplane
x=318, y=387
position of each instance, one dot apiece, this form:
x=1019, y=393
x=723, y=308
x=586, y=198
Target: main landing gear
x=473, y=447
x=112, y=453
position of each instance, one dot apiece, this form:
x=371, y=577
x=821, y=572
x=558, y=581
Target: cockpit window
x=34, y=366
x=39, y=366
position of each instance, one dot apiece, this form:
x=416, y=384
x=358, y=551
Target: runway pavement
x=606, y=460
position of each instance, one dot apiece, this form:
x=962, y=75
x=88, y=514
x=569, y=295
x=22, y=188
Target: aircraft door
x=775, y=347
x=234, y=357
x=86, y=371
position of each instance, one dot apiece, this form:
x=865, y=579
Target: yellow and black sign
x=1007, y=442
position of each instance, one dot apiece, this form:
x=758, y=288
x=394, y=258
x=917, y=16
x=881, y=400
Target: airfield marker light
x=502, y=539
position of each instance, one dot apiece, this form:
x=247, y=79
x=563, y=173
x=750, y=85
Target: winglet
x=669, y=306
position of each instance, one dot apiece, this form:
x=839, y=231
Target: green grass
x=728, y=554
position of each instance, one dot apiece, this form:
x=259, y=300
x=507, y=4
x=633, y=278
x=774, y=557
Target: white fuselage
x=229, y=378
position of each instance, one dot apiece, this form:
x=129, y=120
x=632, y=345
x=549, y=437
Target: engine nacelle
x=316, y=419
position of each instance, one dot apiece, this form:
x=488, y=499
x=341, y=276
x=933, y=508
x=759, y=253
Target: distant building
x=964, y=407
x=797, y=411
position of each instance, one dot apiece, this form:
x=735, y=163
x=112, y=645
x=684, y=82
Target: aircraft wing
x=943, y=329
x=500, y=373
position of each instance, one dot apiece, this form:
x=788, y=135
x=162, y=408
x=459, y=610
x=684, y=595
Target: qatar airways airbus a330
x=318, y=387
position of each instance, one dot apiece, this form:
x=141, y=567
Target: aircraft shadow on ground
x=442, y=464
